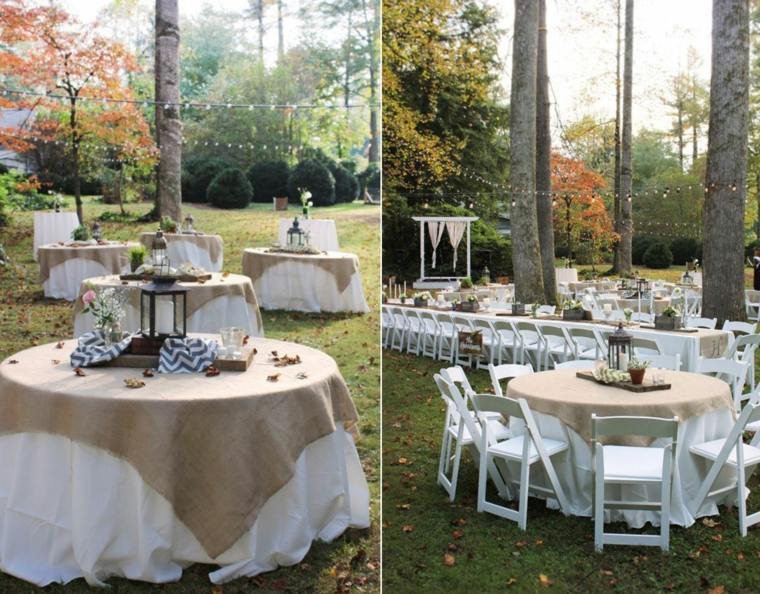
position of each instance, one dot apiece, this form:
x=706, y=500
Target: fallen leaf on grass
x=709, y=522
x=407, y=528
x=134, y=383
x=457, y=534
x=274, y=377
x=544, y=580
x=212, y=371
x=79, y=371
x=511, y=581
x=12, y=362
x=285, y=360
x=148, y=373
x=717, y=590
x=404, y=506
x=458, y=522
x=449, y=559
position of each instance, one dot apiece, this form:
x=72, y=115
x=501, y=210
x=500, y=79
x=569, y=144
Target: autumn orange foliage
x=581, y=220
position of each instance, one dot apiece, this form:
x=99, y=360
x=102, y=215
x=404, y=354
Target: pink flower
x=88, y=297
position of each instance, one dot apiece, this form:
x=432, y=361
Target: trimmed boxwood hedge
x=313, y=176
x=658, y=256
x=269, y=180
x=346, y=185
x=197, y=174
x=230, y=189
x=684, y=249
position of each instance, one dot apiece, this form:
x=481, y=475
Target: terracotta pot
x=637, y=376
x=281, y=203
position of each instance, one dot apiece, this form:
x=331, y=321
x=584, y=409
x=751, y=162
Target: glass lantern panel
x=165, y=314
x=145, y=313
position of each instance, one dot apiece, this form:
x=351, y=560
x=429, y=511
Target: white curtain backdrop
x=456, y=230
x=435, y=230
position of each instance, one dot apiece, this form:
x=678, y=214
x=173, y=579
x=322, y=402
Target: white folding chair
x=579, y=364
x=530, y=343
x=743, y=349
x=499, y=373
x=732, y=372
x=752, y=304
x=631, y=465
x=463, y=324
x=458, y=377
x=414, y=331
x=386, y=325
x=646, y=346
x=708, y=323
x=398, y=335
x=733, y=453
x=462, y=428
x=672, y=362
x=646, y=318
x=556, y=346
x=430, y=334
x=588, y=343
x=527, y=449
x=510, y=344
x=739, y=328
x=447, y=337
x=490, y=342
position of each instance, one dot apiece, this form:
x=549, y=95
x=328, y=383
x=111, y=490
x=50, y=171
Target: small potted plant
x=573, y=310
x=80, y=233
x=465, y=283
x=470, y=305
x=402, y=298
x=534, y=310
x=422, y=299
x=628, y=313
x=168, y=225
x=137, y=257
x=637, y=369
x=669, y=319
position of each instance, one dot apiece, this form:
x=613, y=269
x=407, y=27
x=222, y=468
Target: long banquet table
x=689, y=345
x=563, y=404
x=100, y=480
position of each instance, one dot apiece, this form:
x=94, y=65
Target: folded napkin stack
x=92, y=349
x=186, y=355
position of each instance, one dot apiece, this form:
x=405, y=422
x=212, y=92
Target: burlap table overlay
x=217, y=448
x=572, y=400
x=198, y=295
x=213, y=244
x=342, y=266
x=110, y=256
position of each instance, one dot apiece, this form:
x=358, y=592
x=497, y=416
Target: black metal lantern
x=96, y=233
x=163, y=311
x=296, y=236
x=189, y=220
x=158, y=252
x=619, y=349
x=642, y=285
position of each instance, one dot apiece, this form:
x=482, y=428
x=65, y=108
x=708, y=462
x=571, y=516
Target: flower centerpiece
x=534, y=310
x=573, y=310
x=470, y=304
x=465, y=283
x=669, y=319
x=628, y=313
x=637, y=369
x=306, y=202
x=422, y=299
x=107, y=307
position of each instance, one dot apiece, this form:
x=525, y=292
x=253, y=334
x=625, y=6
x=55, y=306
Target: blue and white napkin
x=92, y=349
x=186, y=355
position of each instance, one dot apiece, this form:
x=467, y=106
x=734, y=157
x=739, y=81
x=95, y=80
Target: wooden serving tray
x=513, y=315
x=151, y=361
x=587, y=375
x=682, y=329
x=183, y=278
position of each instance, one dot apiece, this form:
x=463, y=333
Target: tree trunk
x=168, y=125
x=617, y=201
x=347, y=71
x=626, y=171
x=260, y=19
x=694, y=123
x=75, y=138
x=679, y=133
x=526, y=255
x=723, y=252
x=280, y=32
x=374, y=120
x=543, y=162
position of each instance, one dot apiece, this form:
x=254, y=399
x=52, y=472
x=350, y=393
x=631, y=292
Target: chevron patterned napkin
x=186, y=355
x=92, y=349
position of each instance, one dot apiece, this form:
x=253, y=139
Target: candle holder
x=163, y=314
x=619, y=348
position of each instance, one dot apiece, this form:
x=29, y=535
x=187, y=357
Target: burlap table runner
x=572, y=400
x=213, y=244
x=217, y=448
x=110, y=256
x=342, y=266
x=198, y=295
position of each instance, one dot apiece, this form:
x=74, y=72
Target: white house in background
x=16, y=119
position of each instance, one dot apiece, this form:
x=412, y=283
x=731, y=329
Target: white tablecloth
x=566, y=275
x=68, y=510
x=297, y=284
x=226, y=310
x=52, y=227
x=324, y=236
x=188, y=249
x=575, y=473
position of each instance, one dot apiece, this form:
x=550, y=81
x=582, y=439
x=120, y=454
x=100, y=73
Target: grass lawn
x=490, y=554
x=27, y=318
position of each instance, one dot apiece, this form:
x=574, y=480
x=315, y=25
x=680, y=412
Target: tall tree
x=543, y=162
x=626, y=168
x=371, y=11
x=280, y=31
x=168, y=124
x=526, y=254
x=677, y=98
x=617, y=213
x=723, y=251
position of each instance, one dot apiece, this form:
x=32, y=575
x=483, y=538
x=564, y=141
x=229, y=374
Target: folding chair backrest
x=525, y=327
x=558, y=331
x=460, y=403
x=483, y=325
x=507, y=407
x=456, y=375
x=655, y=427
x=426, y=316
x=672, y=362
x=506, y=371
x=462, y=322
x=582, y=364
x=749, y=414
x=709, y=323
x=739, y=327
x=730, y=371
x=745, y=344
x=649, y=344
x=547, y=309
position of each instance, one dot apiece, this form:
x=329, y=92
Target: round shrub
x=313, y=176
x=197, y=174
x=658, y=256
x=87, y=187
x=639, y=245
x=346, y=185
x=230, y=189
x=269, y=180
x=684, y=249
x=369, y=179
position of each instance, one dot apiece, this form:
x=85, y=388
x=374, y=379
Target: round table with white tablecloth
x=322, y=233
x=100, y=480
x=52, y=227
x=224, y=300
x=566, y=275
x=325, y=282
x=563, y=404
x=205, y=251
x=63, y=267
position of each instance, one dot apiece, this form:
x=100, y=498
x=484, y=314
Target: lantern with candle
x=620, y=345
x=96, y=232
x=158, y=253
x=189, y=223
x=296, y=237
x=163, y=314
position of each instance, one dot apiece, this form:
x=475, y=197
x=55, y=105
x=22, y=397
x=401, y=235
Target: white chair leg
x=742, y=501
x=455, y=470
x=524, y=488
x=482, y=478
x=598, y=511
